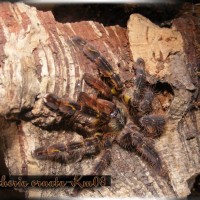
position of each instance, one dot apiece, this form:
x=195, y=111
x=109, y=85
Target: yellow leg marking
x=113, y=91
x=126, y=99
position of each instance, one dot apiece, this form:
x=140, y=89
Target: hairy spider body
x=111, y=116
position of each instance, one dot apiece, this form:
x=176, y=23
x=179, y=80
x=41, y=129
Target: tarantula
x=110, y=116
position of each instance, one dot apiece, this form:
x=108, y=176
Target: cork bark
x=37, y=57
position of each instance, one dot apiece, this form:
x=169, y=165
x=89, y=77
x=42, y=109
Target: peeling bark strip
x=36, y=57
x=24, y=170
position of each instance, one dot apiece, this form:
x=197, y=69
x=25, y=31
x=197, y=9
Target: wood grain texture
x=36, y=57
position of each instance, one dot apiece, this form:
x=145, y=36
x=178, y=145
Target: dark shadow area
x=114, y=14
x=162, y=87
x=195, y=190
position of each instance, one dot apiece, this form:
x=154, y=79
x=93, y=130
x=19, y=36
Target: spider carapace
x=110, y=117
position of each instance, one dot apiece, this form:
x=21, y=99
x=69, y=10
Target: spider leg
x=111, y=118
x=99, y=107
x=98, y=85
x=145, y=105
x=85, y=124
x=86, y=116
x=139, y=81
x=89, y=146
x=153, y=124
x=71, y=152
x=103, y=65
x=68, y=108
x=105, y=158
x=140, y=74
x=57, y=152
x=131, y=139
x=104, y=161
x=139, y=84
x=137, y=103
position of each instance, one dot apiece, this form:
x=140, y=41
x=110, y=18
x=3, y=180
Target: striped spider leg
x=84, y=117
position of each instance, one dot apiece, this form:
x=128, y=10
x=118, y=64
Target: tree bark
x=37, y=57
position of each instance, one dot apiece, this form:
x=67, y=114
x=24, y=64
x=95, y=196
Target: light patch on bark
x=162, y=51
x=96, y=30
x=114, y=58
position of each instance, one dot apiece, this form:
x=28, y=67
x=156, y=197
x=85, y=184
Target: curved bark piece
x=169, y=57
x=37, y=57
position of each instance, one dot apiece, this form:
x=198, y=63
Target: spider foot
x=131, y=139
x=153, y=124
